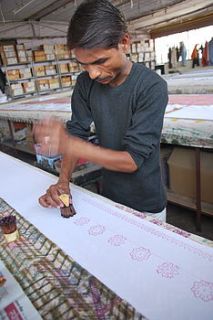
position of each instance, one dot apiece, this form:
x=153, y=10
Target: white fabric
x=159, y=215
x=140, y=261
x=190, y=112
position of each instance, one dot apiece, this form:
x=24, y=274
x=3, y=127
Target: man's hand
x=51, y=198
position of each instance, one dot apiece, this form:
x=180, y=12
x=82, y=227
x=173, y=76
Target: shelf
x=23, y=146
x=207, y=208
x=51, y=59
x=68, y=73
x=56, y=61
x=24, y=94
x=142, y=51
x=145, y=51
x=47, y=91
x=22, y=80
x=17, y=66
x=43, y=63
x=68, y=86
x=47, y=76
x=35, y=79
x=61, y=61
x=12, y=66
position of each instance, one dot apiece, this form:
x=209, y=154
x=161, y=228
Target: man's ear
x=125, y=43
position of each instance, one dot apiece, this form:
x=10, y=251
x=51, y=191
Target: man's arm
x=75, y=148
x=67, y=167
x=107, y=158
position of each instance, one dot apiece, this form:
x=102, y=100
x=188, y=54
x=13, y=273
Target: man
x=3, y=81
x=125, y=100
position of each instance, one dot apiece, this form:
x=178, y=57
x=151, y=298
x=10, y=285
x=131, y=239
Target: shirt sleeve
x=144, y=133
x=81, y=118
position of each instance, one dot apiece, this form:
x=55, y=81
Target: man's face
x=106, y=66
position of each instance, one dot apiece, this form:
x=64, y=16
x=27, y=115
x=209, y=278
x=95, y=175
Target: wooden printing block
x=68, y=210
x=9, y=228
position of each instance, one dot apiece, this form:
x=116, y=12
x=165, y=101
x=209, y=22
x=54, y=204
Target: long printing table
x=56, y=105
x=107, y=262
x=182, y=125
x=188, y=122
x=193, y=82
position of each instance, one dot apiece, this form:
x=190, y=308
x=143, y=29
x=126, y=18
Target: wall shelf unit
x=36, y=72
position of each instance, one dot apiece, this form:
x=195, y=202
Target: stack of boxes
x=66, y=81
x=143, y=51
x=74, y=66
x=43, y=84
x=29, y=86
x=47, y=73
x=50, y=70
x=21, y=53
x=9, y=57
x=25, y=73
x=64, y=67
x=62, y=52
x=39, y=55
x=54, y=83
x=39, y=71
x=29, y=54
x=17, y=89
x=13, y=74
x=8, y=54
x=49, y=51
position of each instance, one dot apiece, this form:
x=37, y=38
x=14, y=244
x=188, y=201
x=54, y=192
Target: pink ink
x=203, y=290
x=140, y=254
x=168, y=270
x=149, y=229
x=157, y=222
x=82, y=221
x=96, y=230
x=130, y=210
x=117, y=240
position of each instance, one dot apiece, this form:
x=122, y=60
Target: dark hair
x=96, y=24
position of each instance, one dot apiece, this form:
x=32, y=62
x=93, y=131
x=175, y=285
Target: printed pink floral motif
x=183, y=233
x=203, y=290
x=139, y=214
x=149, y=229
x=117, y=240
x=96, y=230
x=81, y=221
x=140, y=254
x=158, y=222
x=168, y=270
x=130, y=210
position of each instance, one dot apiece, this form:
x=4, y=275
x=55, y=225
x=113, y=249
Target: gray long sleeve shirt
x=128, y=117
